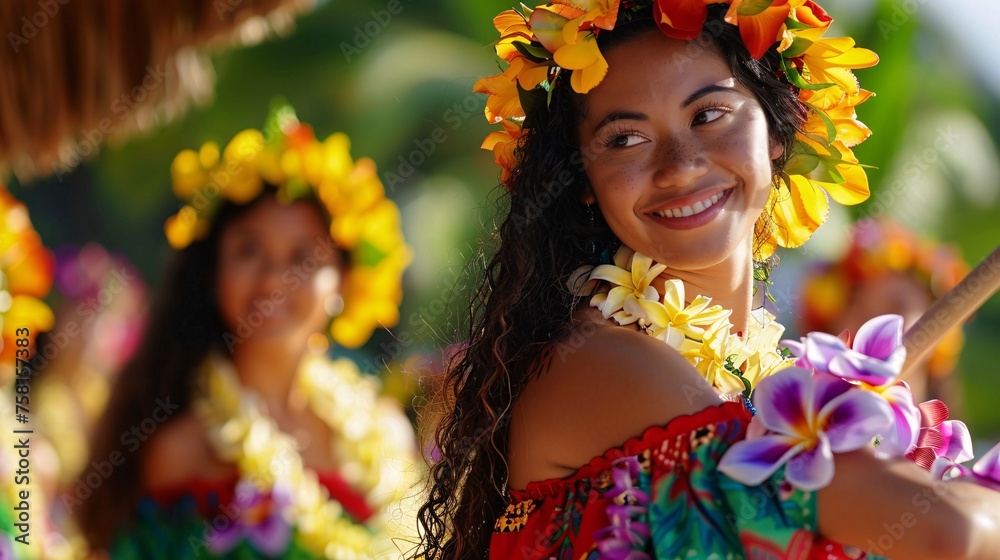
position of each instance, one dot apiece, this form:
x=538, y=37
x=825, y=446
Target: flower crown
x=542, y=45
x=26, y=272
x=287, y=155
x=878, y=248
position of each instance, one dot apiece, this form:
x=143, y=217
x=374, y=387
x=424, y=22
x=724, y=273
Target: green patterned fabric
x=662, y=496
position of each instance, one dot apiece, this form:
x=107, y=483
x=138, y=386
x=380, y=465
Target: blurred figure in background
x=28, y=463
x=230, y=434
x=888, y=269
x=99, y=316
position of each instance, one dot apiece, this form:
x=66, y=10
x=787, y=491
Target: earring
x=333, y=305
x=592, y=244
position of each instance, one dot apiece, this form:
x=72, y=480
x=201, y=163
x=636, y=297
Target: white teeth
x=696, y=208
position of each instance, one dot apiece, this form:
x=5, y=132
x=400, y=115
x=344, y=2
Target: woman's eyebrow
x=620, y=115
x=705, y=91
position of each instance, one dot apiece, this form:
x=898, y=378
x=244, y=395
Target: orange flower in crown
x=557, y=42
x=26, y=271
x=286, y=155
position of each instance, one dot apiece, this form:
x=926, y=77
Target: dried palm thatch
x=77, y=72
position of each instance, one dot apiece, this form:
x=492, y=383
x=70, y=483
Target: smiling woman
x=271, y=449
x=656, y=153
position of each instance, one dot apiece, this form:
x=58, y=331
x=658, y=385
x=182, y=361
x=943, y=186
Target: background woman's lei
x=281, y=492
x=557, y=41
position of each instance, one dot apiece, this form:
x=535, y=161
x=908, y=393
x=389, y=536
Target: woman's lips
x=697, y=219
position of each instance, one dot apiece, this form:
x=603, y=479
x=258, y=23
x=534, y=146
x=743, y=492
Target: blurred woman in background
x=230, y=433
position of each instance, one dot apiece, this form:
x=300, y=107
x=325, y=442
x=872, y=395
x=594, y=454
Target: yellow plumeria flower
x=685, y=321
x=711, y=354
x=761, y=347
x=633, y=298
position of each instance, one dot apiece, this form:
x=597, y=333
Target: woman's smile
x=681, y=213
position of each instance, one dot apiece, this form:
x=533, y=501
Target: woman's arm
x=893, y=508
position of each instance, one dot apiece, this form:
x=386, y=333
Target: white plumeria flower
x=632, y=299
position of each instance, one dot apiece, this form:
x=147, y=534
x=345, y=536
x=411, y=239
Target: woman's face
x=677, y=152
x=277, y=268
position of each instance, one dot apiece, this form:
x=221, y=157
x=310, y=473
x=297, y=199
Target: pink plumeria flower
x=874, y=361
x=807, y=417
x=940, y=437
x=986, y=471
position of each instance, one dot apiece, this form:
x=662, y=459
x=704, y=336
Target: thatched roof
x=76, y=72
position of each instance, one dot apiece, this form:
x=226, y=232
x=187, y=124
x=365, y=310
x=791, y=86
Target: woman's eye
x=709, y=115
x=624, y=141
x=246, y=251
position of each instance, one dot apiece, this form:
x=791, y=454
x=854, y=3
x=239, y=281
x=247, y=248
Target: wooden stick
x=951, y=310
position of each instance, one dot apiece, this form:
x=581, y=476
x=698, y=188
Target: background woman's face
x=677, y=152
x=277, y=267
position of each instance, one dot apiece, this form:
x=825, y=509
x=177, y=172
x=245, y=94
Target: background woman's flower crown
x=543, y=44
x=881, y=247
x=287, y=155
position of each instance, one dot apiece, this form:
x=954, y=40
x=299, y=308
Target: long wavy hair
x=184, y=326
x=523, y=303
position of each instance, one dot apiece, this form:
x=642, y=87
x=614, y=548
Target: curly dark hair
x=523, y=303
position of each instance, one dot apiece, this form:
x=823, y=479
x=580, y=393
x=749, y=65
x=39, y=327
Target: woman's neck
x=271, y=371
x=729, y=283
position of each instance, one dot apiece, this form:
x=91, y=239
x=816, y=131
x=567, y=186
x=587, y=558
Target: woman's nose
x=271, y=272
x=679, y=164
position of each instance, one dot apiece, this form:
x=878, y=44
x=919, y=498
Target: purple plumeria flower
x=875, y=360
x=261, y=521
x=986, y=471
x=626, y=536
x=804, y=418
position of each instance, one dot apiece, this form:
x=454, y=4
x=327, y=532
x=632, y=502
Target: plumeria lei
x=373, y=446
x=842, y=396
x=700, y=331
x=816, y=396
x=287, y=155
x=557, y=41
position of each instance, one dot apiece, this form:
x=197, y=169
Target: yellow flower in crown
x=287, y=156
x=26, y=272
x=556, y=43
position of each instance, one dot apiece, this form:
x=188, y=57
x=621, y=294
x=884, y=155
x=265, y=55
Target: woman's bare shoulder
x=177, y=452
x=596, y=388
